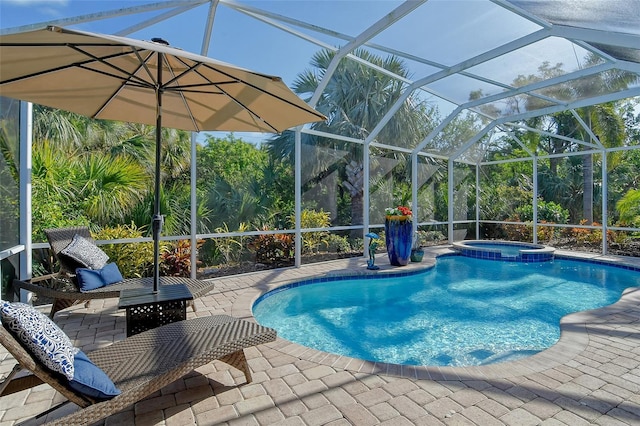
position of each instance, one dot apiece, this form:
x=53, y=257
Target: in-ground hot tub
x=511, y=251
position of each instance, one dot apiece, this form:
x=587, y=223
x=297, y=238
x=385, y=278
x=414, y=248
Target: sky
x=237, y=38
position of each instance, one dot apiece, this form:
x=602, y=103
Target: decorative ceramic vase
x=417, y=255
x=398, y=232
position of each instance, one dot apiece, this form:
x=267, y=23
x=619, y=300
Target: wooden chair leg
x=60, y=304
x=13, y=383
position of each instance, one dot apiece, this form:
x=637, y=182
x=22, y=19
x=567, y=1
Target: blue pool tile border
x=351, y=276
x=481, y=249
x=496, y=255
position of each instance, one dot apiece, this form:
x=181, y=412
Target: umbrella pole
x=157, y=217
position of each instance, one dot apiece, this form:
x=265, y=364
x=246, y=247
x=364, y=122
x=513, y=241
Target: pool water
x=462, y=312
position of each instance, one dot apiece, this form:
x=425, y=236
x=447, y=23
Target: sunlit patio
x=591, y=376
x=488, y=126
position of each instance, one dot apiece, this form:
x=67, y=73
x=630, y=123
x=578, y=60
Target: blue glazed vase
x=398, y=237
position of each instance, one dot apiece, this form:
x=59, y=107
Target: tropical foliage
x=100, y=173
x=313, y=241
x=356, y=98
x=133, y=259
x=569, y=185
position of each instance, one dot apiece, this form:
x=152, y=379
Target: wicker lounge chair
x=60, y=238
x=144, y=363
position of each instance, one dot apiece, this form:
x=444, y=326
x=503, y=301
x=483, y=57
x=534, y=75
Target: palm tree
x=107, y=188
x=609, y=127
x=355, y=99
x=104, y=169
x=604, y=120
x=63, y=128
x=629, y=208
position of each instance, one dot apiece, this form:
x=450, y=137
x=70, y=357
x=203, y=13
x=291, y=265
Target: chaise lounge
x=141, y=364
x=59, y=239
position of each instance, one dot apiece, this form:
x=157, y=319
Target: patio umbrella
x=148, y=82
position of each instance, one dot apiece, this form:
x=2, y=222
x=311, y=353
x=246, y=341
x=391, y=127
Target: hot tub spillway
x=509, y=251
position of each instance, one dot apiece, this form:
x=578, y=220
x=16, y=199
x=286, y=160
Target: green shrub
x=357, y=244
x=229, y=247
x=338, y=244
x=425, y=238
x=499, y=202
x=133, y=259
x=548, y=211
x=53, y=214
x=313, y=241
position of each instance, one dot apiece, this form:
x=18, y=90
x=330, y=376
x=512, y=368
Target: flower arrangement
x=398, y=211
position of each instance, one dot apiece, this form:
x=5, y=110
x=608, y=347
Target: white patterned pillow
x=41, y=336
x=85, y=252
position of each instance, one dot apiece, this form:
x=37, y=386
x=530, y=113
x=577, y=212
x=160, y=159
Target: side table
x=147, y=310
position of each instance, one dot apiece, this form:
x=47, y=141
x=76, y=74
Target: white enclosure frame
x=592, y=39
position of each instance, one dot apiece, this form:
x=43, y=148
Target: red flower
x=398, y=211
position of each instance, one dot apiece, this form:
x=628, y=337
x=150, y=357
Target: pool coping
x=574, y=335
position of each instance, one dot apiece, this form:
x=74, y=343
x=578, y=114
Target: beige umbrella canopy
x=117, y=78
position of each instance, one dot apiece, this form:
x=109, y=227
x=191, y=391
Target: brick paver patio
x=591, y=376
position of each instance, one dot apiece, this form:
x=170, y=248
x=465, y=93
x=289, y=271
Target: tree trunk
x=356, y=210
x=354, y=183
x=553, y=165
x=587, y=193
x=332, y=196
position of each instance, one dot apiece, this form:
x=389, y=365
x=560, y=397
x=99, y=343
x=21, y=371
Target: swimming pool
x=462, y=312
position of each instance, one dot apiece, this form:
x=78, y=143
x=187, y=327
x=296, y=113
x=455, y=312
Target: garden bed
x=626, y=249
x=249, y=266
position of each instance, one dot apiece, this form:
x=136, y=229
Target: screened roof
x=495, y=62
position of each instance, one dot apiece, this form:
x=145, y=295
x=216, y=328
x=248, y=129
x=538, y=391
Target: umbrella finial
x=160, y=41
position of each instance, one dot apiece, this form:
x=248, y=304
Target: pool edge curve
x=574, y=336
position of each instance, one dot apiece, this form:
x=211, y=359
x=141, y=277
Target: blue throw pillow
x=111, y=274
x=90, y=279
x=90, y=380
